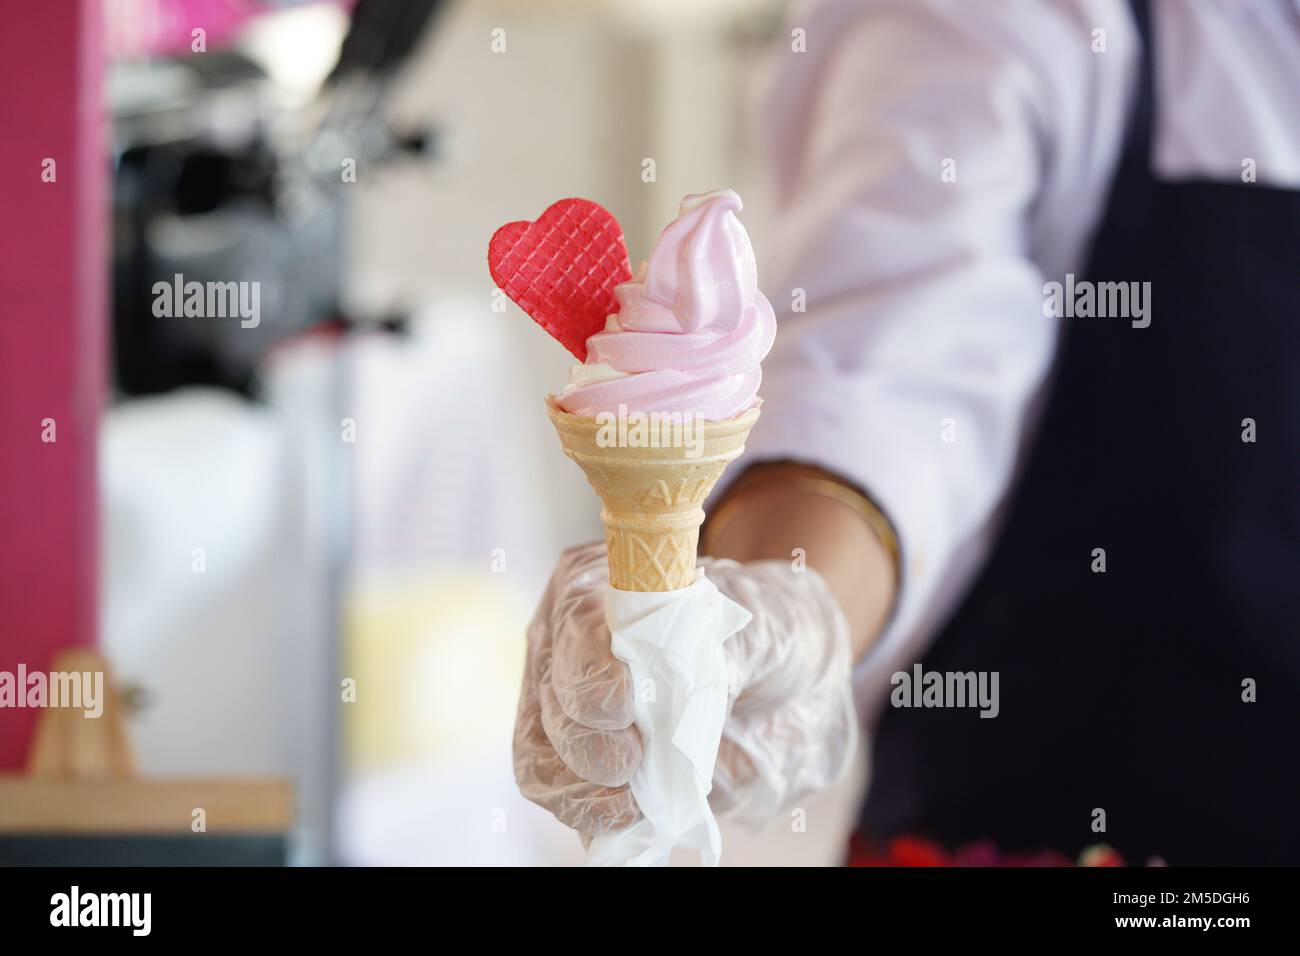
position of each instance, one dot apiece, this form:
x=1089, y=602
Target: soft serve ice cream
x=691, y=328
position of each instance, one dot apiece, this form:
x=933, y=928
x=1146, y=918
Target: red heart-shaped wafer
x=562, y=269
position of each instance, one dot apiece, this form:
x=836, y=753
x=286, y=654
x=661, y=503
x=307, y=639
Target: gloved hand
x=791, y=725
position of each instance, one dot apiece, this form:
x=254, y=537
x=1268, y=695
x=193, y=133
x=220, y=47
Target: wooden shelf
x=81, y=781
x=155, y=806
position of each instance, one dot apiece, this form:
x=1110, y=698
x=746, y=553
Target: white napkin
x=672, y=642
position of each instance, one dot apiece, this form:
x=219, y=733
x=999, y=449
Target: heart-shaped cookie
x=562, y=269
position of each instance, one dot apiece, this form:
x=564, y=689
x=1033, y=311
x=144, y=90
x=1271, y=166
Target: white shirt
x=924, y=298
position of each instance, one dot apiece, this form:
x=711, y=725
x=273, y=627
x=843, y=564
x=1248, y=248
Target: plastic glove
x=791, y=726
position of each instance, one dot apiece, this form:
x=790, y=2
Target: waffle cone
x=652, y=497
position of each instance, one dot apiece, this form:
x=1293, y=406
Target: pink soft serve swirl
x=692, y=329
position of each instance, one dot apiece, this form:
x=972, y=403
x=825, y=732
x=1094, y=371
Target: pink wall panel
x=53, y=330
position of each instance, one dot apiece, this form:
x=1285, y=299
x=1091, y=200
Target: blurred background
x=318, y=539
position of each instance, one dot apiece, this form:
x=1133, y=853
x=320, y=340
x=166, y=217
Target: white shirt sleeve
x=914, y=146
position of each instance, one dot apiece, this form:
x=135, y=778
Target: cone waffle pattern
x=652, y=497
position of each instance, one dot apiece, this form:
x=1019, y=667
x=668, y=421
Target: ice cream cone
x=652, y=496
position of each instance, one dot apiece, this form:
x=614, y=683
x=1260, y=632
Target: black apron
x=1123, y=690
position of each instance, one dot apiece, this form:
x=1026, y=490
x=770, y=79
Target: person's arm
x=790, y=511
x=919, y=150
